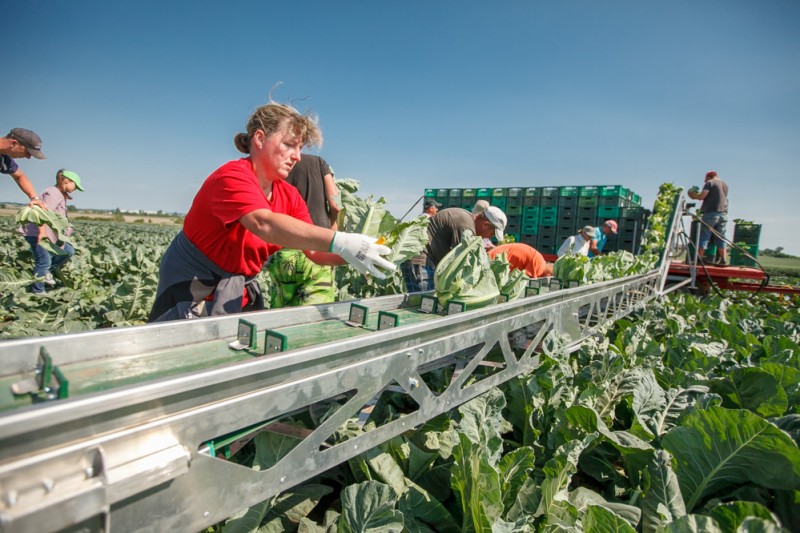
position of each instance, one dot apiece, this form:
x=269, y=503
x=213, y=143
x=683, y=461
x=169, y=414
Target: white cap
x=498, y=219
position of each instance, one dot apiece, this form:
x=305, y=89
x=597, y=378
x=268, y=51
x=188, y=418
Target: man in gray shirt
x=446, y=226
x=714, y=195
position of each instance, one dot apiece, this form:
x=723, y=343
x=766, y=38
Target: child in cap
x=45, y=263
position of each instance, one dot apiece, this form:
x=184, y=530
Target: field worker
x=21, y=143
x=45, y=263
x=577, y=244
x=446, y=226
x=299, y=280
x=244, y=212
x=600, y=237
x=417, y=272
x=479, y=207
x=522, y=256
x=714, y=195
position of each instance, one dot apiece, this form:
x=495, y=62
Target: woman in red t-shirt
x=244, y=212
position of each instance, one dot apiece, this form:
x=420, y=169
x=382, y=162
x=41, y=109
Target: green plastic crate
x=430, y=193
x=467, y=193
x=747, y=233
x=532, y=201
x=483, y=193
x=551, y=192
x=568, y=201
x=455, y=193
x=608, y=212
x=740, y=259
x=612, y=201
x=632, y=212
x=499, y=201
x=499, y=192
x=591, y=190
x=614, y=190
x=569, y=191
x=514, y=192
x=532, y=229
x=533, y=191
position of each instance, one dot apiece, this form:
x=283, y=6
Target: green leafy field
x=110, y=282
x=781, y=266
x=685, y=417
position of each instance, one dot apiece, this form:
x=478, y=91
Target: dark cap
x=29, y=140
x=430, y=202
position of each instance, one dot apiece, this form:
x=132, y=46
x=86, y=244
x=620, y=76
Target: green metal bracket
x=274, y=342
x=532, y=291
x=387, y=320
x=49, y=383
x=358, y=316
x=429, y=304
x=456, y=306
x=245, y=336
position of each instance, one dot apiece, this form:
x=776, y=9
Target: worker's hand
x=36, y=201
x=362, y=253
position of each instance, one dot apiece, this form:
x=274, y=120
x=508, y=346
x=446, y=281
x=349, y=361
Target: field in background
x=94, y=215
x=784, y=263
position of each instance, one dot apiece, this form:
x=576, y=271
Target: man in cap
x=430, y=207
x=445, y=229
x=714, y=195
x=577, y=244
x=479, y=207
x=21, y=143
x=417, y=272
x=600, y=237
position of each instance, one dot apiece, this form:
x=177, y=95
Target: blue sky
x=143, y=99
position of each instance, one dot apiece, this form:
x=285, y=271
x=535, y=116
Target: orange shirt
x=522, y=257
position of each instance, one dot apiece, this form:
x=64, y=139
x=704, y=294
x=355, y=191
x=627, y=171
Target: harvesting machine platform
x=128, y=429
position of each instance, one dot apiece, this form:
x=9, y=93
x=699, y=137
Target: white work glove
x=362, y=253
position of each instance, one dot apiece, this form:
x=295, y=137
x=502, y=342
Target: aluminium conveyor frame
x=134, y=458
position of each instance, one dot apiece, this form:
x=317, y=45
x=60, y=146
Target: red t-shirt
x=522, y=257
x=228, y=194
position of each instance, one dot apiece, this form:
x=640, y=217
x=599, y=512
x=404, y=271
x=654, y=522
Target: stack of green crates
x=468, y=198
x=544, y=216
x=745, y=235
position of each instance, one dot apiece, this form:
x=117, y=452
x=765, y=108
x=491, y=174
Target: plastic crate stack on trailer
x=746, y=235
x=544, y=216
